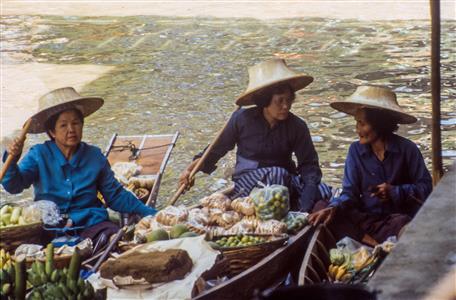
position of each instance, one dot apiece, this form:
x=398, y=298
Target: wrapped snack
x=146, y=182
x=271, y=202
x=172, y=215
x=124, y=170
x=216, y=200
x=216, y=231
x=228, y=219
x=241, y=227
x=251, y=222
x=44, y=210
x=243, y=205
x=214, y=214
x=273, y=227
x=198, y=216
x=196, y=227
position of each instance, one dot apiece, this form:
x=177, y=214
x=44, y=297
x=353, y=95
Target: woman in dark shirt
x=267, y=135
x=385, y=178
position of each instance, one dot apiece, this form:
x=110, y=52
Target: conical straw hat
x=60, y=100
x=267, y=74
x=374, y=97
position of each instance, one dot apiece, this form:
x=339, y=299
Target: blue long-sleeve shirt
x=73, y=184
x=403, y=168
x=261, y=146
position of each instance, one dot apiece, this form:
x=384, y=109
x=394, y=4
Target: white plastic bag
x=45, y=210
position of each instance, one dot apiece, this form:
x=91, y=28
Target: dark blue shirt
x=403, y=168
x=73, y=184
x=262, y=146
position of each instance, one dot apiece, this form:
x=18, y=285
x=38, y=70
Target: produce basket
x=13, y=236
x=60, y=260
x=241, y=258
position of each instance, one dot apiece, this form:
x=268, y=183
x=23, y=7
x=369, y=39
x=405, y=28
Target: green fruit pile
x=239, y=241
x=50, y=283
x=271, y=202
x=11, y=216
x=177, y=231
x=295, y=223
x=7, y=279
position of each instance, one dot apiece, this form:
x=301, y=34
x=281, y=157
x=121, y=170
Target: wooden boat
x=316, y=260
x=151, y=152
x=314, y=267
x=269, y=272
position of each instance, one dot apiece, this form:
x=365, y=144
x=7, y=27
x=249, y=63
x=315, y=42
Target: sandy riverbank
x=23, y=84
x=362, y=10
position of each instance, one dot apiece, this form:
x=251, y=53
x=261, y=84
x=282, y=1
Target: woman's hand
x=383, y=192
x=15, y=148
x=324, y=216
x=184, y=178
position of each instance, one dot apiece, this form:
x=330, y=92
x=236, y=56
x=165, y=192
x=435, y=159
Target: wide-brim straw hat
x=374, y=97
x=58, y=101
x=268, y=74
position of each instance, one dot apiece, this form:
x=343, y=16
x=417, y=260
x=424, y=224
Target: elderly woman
x=267, y=136
x=66, y=170
x=385, y=178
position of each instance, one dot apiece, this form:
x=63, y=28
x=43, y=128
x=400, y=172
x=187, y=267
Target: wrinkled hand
x=15, y=148
x=383, y=192
x=184, y=178
x=324, y=216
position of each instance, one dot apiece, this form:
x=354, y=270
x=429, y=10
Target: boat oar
x=10, y=158
x=198, y=165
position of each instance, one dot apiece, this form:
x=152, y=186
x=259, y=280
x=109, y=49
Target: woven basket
x=241, y=258
x=60, y=260
x=12, y=237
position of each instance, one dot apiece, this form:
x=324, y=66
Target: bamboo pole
x=198, y=165
x=437, y=169
x=10, y=158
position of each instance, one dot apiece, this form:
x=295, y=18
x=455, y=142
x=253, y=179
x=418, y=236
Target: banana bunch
x=50, y=283
x=338, y=273
x=11, y=216
x=5, y=259
x=7, y=279
x=71, y=289
x=13, y=280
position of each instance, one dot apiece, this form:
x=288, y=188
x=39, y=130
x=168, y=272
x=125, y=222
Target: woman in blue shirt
x=385, y=177
x=66, y=170
x=267, y=136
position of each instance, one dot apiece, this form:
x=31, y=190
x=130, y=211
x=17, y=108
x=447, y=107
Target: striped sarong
x=247, y=181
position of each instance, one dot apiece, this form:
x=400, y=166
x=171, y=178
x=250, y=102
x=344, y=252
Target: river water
x=183, y=74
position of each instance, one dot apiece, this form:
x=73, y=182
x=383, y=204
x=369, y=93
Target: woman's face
x=366, y=133
x=280, y=106
x=68, y=129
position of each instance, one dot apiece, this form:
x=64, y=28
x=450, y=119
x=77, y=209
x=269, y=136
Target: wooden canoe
x=316, y=260
x=268, y=272
x=151, y=152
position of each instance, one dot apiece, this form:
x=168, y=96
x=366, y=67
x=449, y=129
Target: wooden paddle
x=199, y=164
x=10, y=158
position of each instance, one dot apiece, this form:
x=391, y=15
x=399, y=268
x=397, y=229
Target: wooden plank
x=317, y=255
x=155, y=149
x=265, y=273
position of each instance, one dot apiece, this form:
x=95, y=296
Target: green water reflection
x=183, y=74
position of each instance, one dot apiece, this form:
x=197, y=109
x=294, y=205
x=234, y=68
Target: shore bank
x=361, y=10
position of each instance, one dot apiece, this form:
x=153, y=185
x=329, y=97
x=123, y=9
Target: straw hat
x=374, y=97
x=60, y=100
x=267, y=74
